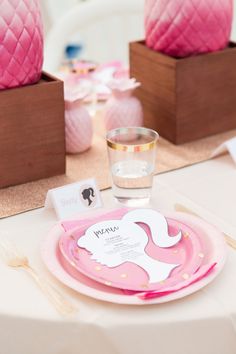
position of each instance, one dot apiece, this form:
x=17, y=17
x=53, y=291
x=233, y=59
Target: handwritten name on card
x=74, y=198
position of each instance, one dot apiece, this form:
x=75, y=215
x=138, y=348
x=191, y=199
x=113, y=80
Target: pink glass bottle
x=181, y=28
x=78, y=123
x=21, y=43
x=122, y=108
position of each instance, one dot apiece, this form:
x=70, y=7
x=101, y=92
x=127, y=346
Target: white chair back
x=105, y=27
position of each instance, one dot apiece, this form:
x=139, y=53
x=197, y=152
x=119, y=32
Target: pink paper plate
x=212, y=243
x=189, y=253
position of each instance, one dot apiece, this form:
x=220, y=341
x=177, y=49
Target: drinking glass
x=132, y=155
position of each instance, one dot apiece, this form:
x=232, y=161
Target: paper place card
x=229, y=145
x=74, y=198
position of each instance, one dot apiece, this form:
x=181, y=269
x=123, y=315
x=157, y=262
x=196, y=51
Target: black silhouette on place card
x=88, y=195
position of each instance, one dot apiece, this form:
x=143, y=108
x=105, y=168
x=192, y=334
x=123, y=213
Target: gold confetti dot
x=201, y=255
x=186, y=235
x=162, y=282
x=145, y=286
x=123, y=275
x=175, y=251
x=98, y=268
x=108, y=283
x=185, y=276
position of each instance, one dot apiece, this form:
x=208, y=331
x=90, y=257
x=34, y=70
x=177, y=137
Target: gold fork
x=229, y=240
x=13, y=258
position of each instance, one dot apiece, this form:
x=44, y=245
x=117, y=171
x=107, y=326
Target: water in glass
x=132, y=181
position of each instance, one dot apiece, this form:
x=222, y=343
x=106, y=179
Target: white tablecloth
x=202, y=323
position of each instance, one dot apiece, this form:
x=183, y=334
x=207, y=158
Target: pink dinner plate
x=212, y=245
x=188, y=253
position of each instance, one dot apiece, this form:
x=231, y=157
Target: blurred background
x=91, y=29
x=96, y=30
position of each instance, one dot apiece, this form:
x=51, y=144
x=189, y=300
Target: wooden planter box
x=32, y=132
x=186, y=99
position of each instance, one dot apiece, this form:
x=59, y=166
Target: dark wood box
x=32, y=132
x=186, y=99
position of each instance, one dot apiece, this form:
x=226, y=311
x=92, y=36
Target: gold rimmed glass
x=132, y=155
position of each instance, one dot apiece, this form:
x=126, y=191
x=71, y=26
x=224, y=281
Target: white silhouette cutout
x=115, y=242
x=157, y=224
